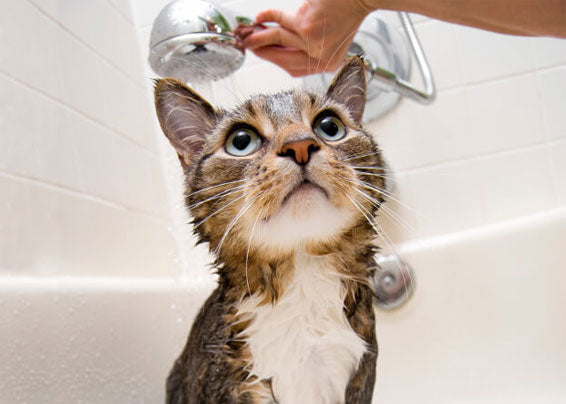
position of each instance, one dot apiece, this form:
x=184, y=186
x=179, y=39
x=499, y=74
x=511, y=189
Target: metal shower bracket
x=400, y=85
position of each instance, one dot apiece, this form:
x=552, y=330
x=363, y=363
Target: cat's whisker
x=219, y=195
x=347, y=38
x=382, y=234
x=214, y=76
x=198, y=66
x=361, y=209
x=393, y=215
x=321, y=46
x=386, y=210
x=214, y=186
x=369, y=168
x=379, y=190
x=385, y=177
x=359, y=156
x=203, y=60
x=219, y=210
x=234, y=221
x=248, y=255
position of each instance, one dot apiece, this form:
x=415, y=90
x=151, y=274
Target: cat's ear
x=349, y=87
x=185, y=117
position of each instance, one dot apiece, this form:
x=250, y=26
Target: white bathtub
x=487, y=325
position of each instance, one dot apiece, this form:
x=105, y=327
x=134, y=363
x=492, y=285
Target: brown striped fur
x=214, y=367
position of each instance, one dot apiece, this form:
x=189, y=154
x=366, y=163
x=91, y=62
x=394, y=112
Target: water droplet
x=173, y=306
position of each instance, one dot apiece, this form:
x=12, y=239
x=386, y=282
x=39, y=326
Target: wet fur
x=216, y=365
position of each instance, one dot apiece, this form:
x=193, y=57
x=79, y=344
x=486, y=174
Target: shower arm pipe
x=401, y=86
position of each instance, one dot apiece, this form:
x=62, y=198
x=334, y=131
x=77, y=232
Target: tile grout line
x=498, y=79
x=111, y=4
x=71, y=108
x=543, y=119
x=465, y=160
x=79, y=194
x=85, y=44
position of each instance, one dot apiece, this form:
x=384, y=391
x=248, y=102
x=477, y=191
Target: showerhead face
x=193, y=41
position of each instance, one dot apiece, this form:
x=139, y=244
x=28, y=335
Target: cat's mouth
x=303, y=189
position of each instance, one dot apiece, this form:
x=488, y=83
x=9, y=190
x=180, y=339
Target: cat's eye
x=329, y=127
x=243, y=142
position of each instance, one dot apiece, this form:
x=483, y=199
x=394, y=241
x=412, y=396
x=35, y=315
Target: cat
x=284, y=189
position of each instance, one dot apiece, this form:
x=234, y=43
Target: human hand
x=314, y=39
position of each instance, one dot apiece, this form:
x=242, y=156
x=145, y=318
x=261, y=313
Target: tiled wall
x=81, y=156
x=81, y=184
x=491, y=148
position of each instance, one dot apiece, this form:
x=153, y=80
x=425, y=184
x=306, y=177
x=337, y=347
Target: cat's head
x=279, y=172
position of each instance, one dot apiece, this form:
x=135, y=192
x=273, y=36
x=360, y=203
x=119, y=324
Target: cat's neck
x=266, y=274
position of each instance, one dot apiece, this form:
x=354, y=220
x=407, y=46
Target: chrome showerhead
x=196, y=41
x=193, y=41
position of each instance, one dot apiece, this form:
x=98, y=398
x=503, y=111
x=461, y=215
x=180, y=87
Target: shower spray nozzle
x=193, y=41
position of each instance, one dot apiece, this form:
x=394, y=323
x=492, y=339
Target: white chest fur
x=304, y=342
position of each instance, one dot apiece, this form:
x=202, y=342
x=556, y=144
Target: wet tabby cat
x=284, y=189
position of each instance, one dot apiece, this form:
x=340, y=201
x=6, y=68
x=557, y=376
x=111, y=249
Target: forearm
x=516, y=17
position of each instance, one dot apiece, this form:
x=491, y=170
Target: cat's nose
x=300, y=150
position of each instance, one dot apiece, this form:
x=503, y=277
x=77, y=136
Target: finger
x=295, y=62
x=286, y=20
x=273, y=36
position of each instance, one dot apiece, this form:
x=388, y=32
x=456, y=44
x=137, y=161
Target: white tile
x=263, y=78
x=82, y=87
x=398, y=217
x=558, y=166
x=549, y=51
x=100, y=26
x=144, y=120
x=16, y=226
x=516, y=184
x=140, y=178
x=124, y=7
x=504, y=114
x=19, y=129
x=98, y=162
x=414, y=135
x=158, y=189
x=144, y=35
x=56, y=149
x=128, y=108
x=28, y=51
x=552, y=85
x=145, y=11
x=440, y=44
x=486, y=55
x=47, y=232
x=250, y=8
x=145, y=244
x=36, y=141
x=447, y=198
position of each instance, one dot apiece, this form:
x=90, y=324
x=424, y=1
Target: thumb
x=284, y=19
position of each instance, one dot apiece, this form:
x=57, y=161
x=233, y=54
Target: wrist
x=395, y=5
x=364, y=7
